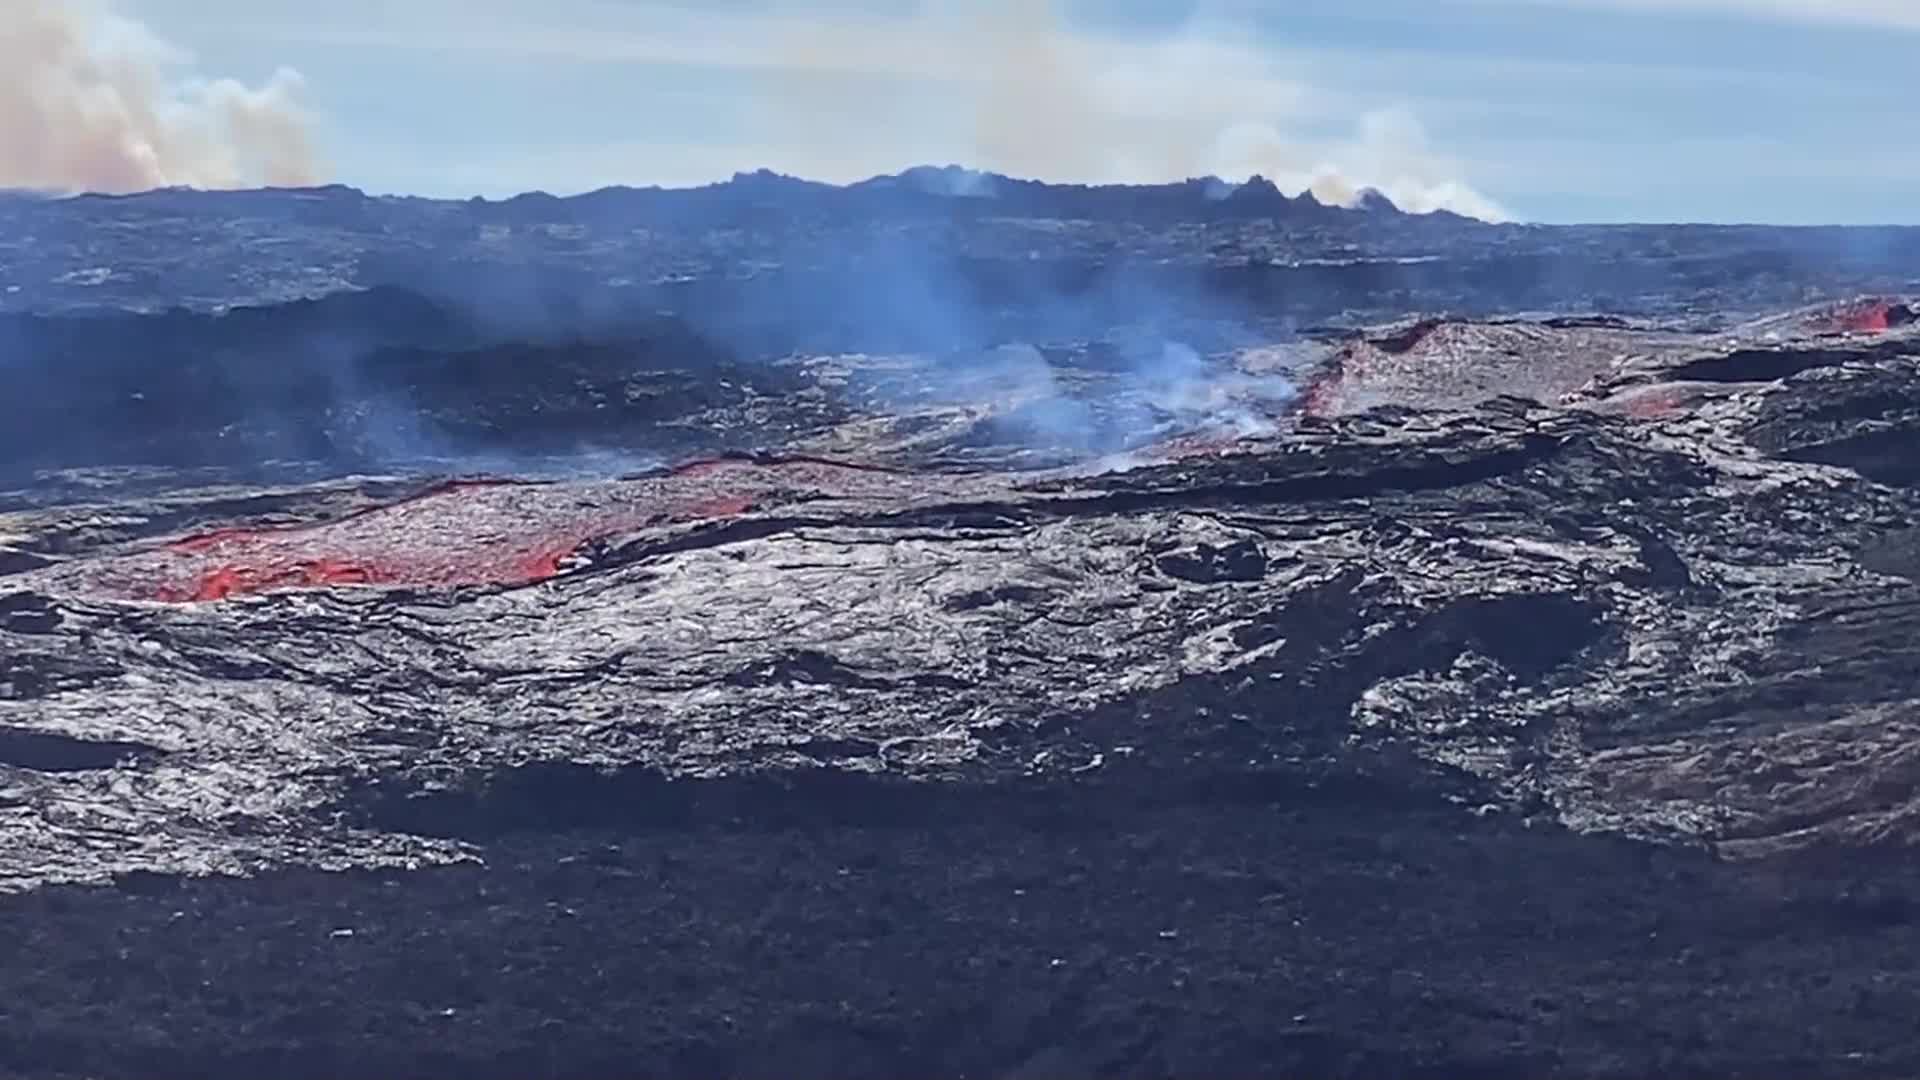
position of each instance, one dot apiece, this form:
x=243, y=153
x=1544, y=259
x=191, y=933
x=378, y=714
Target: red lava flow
x=486, y=532
x=1865, y=317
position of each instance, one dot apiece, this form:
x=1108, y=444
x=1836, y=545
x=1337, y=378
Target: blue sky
x=1552, y=110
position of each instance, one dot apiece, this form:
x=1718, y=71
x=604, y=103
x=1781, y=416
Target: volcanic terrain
x=1518, y=696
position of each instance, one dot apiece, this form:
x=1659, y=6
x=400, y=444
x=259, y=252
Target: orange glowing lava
x=473, y=532
x=1866, y=317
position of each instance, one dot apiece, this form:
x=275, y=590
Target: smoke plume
x=92, y=102
x=1028, y=94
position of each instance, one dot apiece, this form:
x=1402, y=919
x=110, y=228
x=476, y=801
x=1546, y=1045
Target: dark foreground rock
x=1238, y=934
x=1504, y=737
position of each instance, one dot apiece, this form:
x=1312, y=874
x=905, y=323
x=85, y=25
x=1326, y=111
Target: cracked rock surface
x=1546, y=735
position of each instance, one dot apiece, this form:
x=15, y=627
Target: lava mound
x=475, y=532
x=1447, y=364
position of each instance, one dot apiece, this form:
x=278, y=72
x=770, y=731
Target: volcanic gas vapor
x=93, y=102
x=1059, y=104
x=1026, y=90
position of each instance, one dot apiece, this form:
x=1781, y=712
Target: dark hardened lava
x=1238, y=935
x=1438, y=738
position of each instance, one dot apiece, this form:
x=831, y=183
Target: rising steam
x=91, y=102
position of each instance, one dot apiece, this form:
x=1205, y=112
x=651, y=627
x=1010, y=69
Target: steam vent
x=952, y=625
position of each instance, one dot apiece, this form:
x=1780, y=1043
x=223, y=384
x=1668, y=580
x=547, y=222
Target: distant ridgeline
x=917, y=190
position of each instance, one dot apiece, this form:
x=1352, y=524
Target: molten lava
x=1866, y=317
x=490, y=532
x=353, y=550
x=1321, y=396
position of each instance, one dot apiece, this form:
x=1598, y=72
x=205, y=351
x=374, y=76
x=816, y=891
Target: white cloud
x=1890, y=14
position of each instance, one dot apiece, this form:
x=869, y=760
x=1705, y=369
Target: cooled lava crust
x=1537, y=701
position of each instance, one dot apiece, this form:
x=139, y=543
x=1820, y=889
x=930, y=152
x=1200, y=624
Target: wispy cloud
x=1888, y=14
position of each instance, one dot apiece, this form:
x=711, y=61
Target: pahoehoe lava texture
x=1460, y=724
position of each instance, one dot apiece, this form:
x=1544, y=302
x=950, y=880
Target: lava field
x=1472, y=694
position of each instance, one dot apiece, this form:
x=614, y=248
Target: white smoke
x=1188, y=104
x=93, y=102
x=1045, y=99
x=1166, y=391
x=1390, y=153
